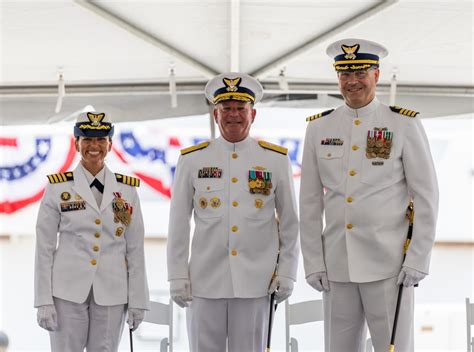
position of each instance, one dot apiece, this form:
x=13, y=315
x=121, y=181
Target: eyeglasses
x=359, y=75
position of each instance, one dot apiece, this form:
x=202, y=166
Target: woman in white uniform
x=89, y=264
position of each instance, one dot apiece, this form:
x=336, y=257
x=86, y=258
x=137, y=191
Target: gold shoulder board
x=194, y=148
x=128, y=180
x=274, y=147
x=403, y=111
x=61, y=177
x=317, y=116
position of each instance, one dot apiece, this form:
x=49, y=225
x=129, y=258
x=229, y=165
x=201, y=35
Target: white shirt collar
x=363, y=111
x=100, y=175
x=235, y=147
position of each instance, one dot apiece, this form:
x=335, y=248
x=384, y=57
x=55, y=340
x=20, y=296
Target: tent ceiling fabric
x=129, y=44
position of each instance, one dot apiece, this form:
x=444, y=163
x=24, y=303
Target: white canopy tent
x=143, y=60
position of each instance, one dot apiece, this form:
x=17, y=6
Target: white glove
x=282, y=286
x=47, y=317
x=318, y=281
x=135, y=317
x=410, y=277
x=180, y=291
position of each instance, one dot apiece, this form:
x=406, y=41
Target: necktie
x=96, y=183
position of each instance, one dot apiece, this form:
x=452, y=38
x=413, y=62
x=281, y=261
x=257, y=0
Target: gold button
x=349, y=226
x=93, y=262
x=97, y=235
x=234, y=252
x=357, y=122
x=97, y=221
x=329, y=155
x=235, y=203
x=235, y=155
x=349, y=200
x=234, y=179
x=235, y=228
x=96, y=248
x=352, y=173
x=355, y=147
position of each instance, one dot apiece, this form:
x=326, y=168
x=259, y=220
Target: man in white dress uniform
x=235, y=186
x=362, y=164
x=90, y=266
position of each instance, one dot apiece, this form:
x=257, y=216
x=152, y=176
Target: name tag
x=72, y=206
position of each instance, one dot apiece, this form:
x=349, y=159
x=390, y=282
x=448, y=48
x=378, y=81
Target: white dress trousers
x=240, y=322
x=347, y=307
x=87, y=325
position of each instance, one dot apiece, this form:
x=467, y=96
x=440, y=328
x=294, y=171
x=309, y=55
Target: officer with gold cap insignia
x=235, y=186
x=89, y=265
x=362, y=164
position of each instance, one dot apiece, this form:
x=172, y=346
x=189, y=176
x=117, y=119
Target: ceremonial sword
x=411, y=216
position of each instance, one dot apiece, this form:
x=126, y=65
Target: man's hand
x=410, y=277
x=180, y=291
x=282, y=286
x=135, y=317
x=318, y=281
x=47, y=317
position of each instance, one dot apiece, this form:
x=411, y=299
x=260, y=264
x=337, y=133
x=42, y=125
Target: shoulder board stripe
x=403, y=111
x=274, y=147
x=61, y=177
x=317, y=116
x=194, y=148
x=128, y=180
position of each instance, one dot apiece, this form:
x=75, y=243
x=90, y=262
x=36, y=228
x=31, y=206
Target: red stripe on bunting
x=8, y=207
x=8, y=142
x=154, y=183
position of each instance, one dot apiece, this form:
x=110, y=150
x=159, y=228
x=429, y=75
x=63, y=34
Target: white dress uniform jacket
x=365, y=199
x=92, y=250
x=236, y=238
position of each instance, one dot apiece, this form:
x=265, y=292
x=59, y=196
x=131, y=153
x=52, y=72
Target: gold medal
x=122, y=210
x=258, y=203
x=252, y=184
x=65, y=196
x=203, y=202
x=260, y=184
x=215, y=202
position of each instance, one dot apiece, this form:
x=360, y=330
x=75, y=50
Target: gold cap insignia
x=350, y=51
x=232, y=85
